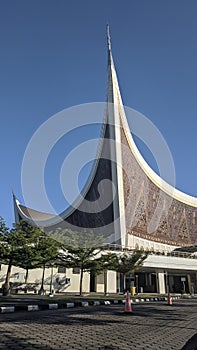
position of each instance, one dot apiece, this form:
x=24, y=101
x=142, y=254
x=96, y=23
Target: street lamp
x=136, y=282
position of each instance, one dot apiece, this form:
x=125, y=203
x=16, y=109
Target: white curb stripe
x=68, y=305
x=53, y=306
x=32, y=308
x=84, y=303
x=5, y=309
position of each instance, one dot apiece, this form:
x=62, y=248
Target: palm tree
x=129, y=262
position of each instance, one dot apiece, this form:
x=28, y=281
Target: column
x=189, y=283
x=161, y=282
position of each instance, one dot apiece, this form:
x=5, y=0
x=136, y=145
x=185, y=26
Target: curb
x=6, y=309
x=68, y=305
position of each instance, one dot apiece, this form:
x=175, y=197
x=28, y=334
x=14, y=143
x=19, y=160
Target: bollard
x=169, y=299
x=128, y=303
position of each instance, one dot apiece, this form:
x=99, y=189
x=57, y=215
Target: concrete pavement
x=155, y=326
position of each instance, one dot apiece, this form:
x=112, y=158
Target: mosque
x=134, y=208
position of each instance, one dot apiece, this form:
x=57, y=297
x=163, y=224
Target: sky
x=53, y=56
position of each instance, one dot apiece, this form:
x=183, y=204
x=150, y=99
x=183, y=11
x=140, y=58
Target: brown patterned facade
x=176, y=225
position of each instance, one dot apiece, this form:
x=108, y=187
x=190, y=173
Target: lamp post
x=136, y=282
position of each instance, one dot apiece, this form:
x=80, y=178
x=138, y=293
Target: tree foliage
x=129, y=262
x=3, y=233
x=82, y=249
x=27, y=247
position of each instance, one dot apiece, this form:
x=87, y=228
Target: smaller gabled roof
x=28, y=214
x=34, y=214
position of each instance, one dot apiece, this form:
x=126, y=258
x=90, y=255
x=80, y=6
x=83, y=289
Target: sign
x=183, y=279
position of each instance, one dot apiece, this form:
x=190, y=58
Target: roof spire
x=108, y=38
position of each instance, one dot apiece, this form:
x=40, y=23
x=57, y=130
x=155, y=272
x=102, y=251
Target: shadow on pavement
x=191, y=343
x=10, y=342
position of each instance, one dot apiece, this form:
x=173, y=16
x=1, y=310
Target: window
x=76, y=270
x=61, y=269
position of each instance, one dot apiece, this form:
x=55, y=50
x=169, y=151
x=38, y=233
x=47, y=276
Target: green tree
x=27, y=247
x=29, y=257
x=12, y=244
x=41, y=250
x=129, y=262
x=82, y=250
x=48, y=251
x=3, y=233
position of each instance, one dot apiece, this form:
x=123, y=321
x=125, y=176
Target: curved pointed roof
x=120, y=216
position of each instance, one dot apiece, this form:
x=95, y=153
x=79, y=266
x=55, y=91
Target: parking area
x=150, y=326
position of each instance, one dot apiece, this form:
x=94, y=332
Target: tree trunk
x=81, y=281
x=6, y=286
x=124, y=284
x=41, y=291
x=51, y=281
x=105, y=282
x=26, y=275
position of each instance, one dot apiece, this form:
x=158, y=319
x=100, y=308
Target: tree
x=12, y=243
x=3, y=233
x=41, y=250
x=48, y=252
x=82, y=249
x=129, y=262
x=29, y=257
x=27, y=247
x=121, y=262
x=3, y=228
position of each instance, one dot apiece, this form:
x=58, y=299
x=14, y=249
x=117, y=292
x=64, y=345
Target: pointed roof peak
x=13, y=195
x=108, y=38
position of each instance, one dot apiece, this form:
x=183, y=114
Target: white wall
x=35, y=278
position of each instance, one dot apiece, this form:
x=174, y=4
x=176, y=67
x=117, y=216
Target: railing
x=121, y=248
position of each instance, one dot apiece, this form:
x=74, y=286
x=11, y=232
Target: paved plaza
x=150, y=326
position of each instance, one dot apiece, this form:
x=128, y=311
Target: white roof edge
x=155, y=178
x=20, y=210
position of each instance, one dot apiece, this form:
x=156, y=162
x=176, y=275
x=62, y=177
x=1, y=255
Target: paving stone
x=152, y=326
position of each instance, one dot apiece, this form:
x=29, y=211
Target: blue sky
x=53, y=56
